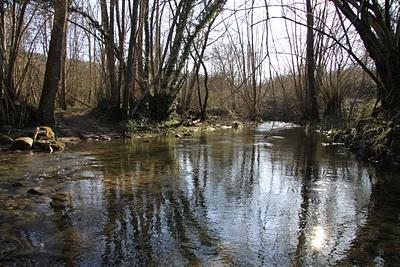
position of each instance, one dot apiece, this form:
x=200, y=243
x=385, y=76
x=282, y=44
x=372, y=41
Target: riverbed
x=269, y=196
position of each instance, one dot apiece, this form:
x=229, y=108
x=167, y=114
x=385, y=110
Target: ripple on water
x=226, y=198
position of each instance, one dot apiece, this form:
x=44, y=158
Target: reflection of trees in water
x=154, y=220
x=378, y=240
x=306, y=168
x=65, y=243
x=223, y=199
x=158, y=205
x=333, y=191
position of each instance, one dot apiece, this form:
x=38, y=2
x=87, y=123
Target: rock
x=277, y=137
x=43, y=132
x=60, y=200
x=33, y=191
x=22, y=143
x=268, y=145
x=69, y=140
x=49, y=145
x=57, y=145
x=105, y=138
x=332, y=144
x=226, y=127
x=5, y=140
x=236, y=125
x=189, y=123
x=89, y=137
x=17, y=184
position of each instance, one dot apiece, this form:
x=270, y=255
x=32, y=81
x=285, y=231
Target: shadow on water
x=227, y=198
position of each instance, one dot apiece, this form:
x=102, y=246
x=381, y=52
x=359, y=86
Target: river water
x=225, y=198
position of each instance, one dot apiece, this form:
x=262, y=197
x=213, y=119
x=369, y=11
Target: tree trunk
x=14, y=48
x=108, y=26
x=130, y=71
x=190, y=87
x=121, y=37
x=381, y=40
x=311, y=96
x=203, y=111
x=389, y=93
x=63, y=102
x=53, y=64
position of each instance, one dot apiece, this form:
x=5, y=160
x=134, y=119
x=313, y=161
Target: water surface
x=220, y=199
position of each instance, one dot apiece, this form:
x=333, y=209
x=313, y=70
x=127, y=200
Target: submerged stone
x=17, y=184
x=49, y=145
x=35, y=192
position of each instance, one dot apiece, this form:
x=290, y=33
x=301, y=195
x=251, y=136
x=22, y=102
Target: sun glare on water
x=318, y=238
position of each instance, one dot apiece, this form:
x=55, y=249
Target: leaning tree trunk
x=379, y=28
x=53, y=65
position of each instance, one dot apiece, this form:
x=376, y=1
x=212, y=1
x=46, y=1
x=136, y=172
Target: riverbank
x=75, y=126
x=374, y=139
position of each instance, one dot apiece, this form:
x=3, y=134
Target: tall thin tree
x=53, y=64
x=311, y=94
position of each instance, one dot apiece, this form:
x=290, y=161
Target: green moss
x=171, y=123
x=133, y=126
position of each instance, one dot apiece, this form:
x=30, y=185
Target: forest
x=330, y=62
x=309, y=60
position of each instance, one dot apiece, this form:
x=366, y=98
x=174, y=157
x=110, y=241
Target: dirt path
x=83, y=124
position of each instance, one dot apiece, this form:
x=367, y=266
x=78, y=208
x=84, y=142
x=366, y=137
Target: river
x=229, y=197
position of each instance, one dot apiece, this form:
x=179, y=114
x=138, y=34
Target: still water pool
x=228, y=198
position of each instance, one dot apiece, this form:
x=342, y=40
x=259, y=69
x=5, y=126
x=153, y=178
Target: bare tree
x=130, y=68
x=378, y=26
x=108, y=22
x=311, y=94
x=53, y=65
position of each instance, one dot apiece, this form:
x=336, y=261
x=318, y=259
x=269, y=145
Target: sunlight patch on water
x=275, y=125
x=318, y=238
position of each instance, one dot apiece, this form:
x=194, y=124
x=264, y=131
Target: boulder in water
x=35, y=192
x=22, y=143
x=43, y=133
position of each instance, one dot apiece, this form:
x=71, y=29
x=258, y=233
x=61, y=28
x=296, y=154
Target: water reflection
x=229, y=198
x=318, y=237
